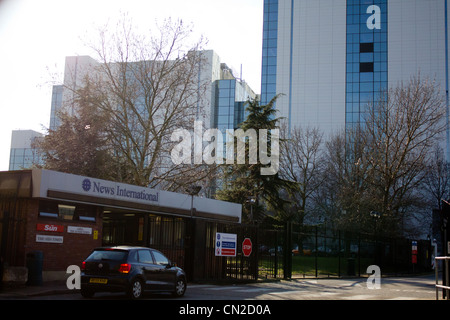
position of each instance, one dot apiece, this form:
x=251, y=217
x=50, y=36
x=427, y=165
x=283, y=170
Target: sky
x=36, y=36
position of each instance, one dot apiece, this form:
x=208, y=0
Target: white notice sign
x=226, y=244
x=81, y=230
x=49, y=239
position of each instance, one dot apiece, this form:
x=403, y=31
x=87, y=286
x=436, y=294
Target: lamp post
x=376, y=215
x=251, y=200
x=193, y=191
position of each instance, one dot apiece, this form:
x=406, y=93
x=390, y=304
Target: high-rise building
x=221, y=104
x=329, y=58
x=231, y=95
x=22, y=154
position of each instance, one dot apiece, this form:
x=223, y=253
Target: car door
x=167, y=274
x=150, y=270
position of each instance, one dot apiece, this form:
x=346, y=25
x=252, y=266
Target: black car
x=132, y=270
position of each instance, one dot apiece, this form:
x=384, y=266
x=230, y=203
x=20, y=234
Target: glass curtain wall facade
x=22, y=154
x=367, y=56
x=230, y=103
x=225, y=98
x=269, y=52
x=22, y=158
x=57, y=95
x=331, y=58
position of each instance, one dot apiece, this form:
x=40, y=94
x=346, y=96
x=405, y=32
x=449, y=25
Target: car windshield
x=112, y=255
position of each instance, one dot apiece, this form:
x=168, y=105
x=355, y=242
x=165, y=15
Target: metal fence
x=445, y=286
x=313, y=251
x=319, y=251
x=12, y=229
x=285, y=251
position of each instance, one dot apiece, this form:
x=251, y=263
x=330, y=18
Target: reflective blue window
x=367, y=61
x=349, y=117
x=354, y=28
x=366, y=87
x=269, y=54
x=272, y=69
x=366, y=77
x=366, y=57
x=366, y=97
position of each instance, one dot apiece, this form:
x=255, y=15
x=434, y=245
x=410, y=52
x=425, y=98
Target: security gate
x=238, y=267
x=190, y=243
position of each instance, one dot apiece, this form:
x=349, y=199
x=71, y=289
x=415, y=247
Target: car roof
x=127, y=248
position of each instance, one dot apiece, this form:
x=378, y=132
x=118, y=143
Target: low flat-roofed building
x=65, y=216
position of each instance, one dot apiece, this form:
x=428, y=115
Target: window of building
x=366, y=47
x=63, y=211
x=85, y=212
x=366, y=67
x=66, y=212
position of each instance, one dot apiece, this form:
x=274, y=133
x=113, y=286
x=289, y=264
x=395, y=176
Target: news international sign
x=53, y=184
x=118, y=190
x=48, y=181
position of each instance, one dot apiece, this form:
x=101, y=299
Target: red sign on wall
x=414, y=247
x=49, y=227
x=414, y=252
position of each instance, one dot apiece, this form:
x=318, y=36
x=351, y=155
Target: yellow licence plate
x=98, y=280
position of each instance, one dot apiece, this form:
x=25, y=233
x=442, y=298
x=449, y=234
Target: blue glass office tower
x=330, y=58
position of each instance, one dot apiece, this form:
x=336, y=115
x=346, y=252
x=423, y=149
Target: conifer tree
x=244, y=183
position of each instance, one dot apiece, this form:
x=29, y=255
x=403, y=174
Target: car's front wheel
x=180, y=287
x=136, y=289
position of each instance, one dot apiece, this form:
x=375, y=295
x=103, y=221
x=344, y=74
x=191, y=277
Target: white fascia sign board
x=44, y=180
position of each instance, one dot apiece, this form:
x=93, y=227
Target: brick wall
x=74, y=248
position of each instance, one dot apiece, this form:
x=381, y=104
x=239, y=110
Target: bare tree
x=151, y=88
x=328, y=199
x=300, y=162
x=400, y=131
x=379, y=166
x=146, y=87
x=344, y=197
x=437, y=179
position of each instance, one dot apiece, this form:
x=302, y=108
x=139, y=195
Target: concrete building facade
x=329, y=58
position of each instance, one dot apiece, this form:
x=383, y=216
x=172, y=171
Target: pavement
x=24, y=291
x=337, y=286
